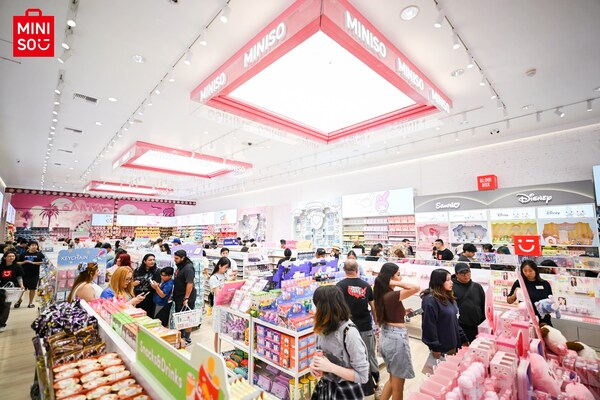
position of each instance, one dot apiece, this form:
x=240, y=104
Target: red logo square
x=33, y=35
x=527, y=245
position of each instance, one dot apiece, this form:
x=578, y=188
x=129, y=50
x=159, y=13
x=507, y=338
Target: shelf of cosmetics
x=506, y=361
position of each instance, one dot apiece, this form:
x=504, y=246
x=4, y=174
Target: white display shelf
x=117, y=344
x=287, y=371
x=234, y=343
x=237, y=313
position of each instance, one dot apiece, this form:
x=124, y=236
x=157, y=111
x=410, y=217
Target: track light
x=504, y=112
x=508, y=124
x=589, y=105
x=470, y=61
x=499, y=104
x=59, y=87
x=483, y=82
x=71, y=22
x=202, y=38
x=538, y=116
x=455, y=42
x=158, y=89
x=493, y=94
x=55, y=110
x=64, y=57
x=170, y=77
x=440, y=18
x=456, y=138
x=188, y=57
x=559, y=112
x=225, y=14
x=141, y=110
x=464, y=119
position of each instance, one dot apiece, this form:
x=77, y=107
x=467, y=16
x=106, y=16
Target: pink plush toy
x=578, y=391
x=541, y=377
x=555, y=341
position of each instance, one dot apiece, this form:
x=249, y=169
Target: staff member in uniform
x=184, y=292
x=537, y=288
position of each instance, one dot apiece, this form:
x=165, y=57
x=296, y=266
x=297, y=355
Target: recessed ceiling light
x=71, y=23
x=527, y=106
x=55, y=112
x=597, y=89
x=54, y=120
x=409, y=13
x=53, y=128
x=76, y=161
x=457, y=72
x=138, y=59
x=206, y=132
x=52, y=132
x=112, y=99
x=98, y=123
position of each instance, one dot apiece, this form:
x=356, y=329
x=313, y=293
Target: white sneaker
x=2, y=328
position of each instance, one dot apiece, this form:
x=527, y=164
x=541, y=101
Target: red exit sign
x=487, y=182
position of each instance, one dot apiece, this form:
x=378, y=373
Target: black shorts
x=31, y=281
x=191, y=302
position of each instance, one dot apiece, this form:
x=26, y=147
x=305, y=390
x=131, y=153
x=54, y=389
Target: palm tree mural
x=27, y=215
x=50, y=212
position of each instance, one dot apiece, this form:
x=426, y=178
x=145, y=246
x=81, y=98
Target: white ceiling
x=558, y=38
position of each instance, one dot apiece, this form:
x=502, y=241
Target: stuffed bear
x=554, y=339
x=542, y=377
x=547, y=306
x=583, y=350
x=578, y=391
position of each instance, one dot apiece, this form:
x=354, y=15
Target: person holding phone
x=142, y=277
x=120, y=287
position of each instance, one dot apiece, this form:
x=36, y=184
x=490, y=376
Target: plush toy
x=583, y=350
x=547, y=306
x=554, y=339
x=541, y=377
x=578, y=391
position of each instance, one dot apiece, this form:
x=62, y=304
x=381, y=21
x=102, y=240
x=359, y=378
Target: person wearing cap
x=470, y=298
x=176, y=241
x=321, y=253
x=335, y=251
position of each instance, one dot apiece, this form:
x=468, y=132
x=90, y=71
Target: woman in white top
x=84, y=286
x=215, y=282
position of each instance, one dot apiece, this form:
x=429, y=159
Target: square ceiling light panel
x=114, y=187
x=162, y=159
x=331, y=88
x=323, y=72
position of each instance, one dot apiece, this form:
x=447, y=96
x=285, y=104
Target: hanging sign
x=487, y=182
x=527, y=246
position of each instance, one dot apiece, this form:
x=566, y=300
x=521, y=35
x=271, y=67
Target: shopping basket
x=186, y=318
x=13, y=294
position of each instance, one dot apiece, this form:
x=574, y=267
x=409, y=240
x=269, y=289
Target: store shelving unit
x=151, y=232
x=294, y=372
x=386, y=230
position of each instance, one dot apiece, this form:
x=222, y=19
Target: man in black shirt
x=442, y=252
x=359, y=297
x=357, y=245
x=31, y=261
x=470, y=298
x=468, y=252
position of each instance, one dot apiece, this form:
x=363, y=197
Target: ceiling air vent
x=82, y=98
x=57, y=163
x=73, y=130
x=65, y=151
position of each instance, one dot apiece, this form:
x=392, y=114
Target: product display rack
x=166, y=232
x=46, y=233
x=294, y=372
x=151, y=232
x=43, y=372
x=386, y=230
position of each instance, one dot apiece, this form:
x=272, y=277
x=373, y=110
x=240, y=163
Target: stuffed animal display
x=554, y=340
x=583, y=350
x=542, y=377
x=548, y=306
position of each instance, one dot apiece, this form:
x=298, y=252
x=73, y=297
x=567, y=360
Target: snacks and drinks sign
x=33, y=34
x=170, y=368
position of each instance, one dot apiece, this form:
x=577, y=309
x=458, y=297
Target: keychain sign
x=527, y=246
x=33, y=34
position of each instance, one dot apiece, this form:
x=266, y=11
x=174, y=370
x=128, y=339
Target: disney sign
x=533, y=198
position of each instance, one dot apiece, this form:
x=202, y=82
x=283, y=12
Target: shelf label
x=170, y=369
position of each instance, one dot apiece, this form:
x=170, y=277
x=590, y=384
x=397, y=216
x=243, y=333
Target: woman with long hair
x=124, y=260
x=84, y=287
x=342, y=362
x=215, y=282
x=390, y=313
x=142, y=279
x=120, y=287
x=184, y=292
x=440, y=329
x=165, y=248
x=537, y=288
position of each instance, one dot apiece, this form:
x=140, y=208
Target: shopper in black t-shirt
x=537, y=288
x=470, y=298
x=442, y=252
x=359, y=297
x=468, y=252
x=30, y=261
x=184, y=292
x=10, y=273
